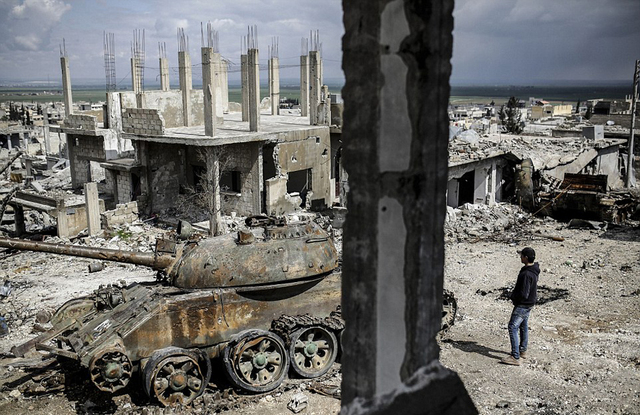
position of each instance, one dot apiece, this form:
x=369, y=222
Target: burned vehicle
x=264, y=300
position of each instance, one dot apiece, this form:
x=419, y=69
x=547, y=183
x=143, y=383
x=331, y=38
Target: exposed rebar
x=183, y=41
x=109, y=61
x=138, y=55
x=252, y=37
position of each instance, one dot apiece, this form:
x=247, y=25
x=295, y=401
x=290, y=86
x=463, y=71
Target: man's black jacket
x=524, y=294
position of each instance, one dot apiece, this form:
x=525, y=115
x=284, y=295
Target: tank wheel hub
x=173, y=376
x=110, y=370
x=178, y=381
x=256, y=361
x=260, y=360
x=313, y=351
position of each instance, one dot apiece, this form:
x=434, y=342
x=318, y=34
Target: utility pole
x=634, y=101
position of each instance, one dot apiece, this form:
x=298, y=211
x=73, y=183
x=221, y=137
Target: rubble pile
x=469, y=221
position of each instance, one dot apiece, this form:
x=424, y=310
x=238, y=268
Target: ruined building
x=153, y=146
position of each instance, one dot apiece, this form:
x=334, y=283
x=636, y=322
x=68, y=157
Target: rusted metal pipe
x=157, y=262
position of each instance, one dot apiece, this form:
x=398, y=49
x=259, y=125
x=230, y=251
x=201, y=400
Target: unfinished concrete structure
x=397, y=67
x=253, y=75
x=66, y=80
x=150, y=146
x=304, y=78
x=274, y=77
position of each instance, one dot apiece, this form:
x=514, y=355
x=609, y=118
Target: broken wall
x=164, y=173
x=246, y=161
x=82, y=150
x=302, y=150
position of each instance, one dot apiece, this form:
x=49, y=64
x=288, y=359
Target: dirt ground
x=584, y=351
x=584, y=339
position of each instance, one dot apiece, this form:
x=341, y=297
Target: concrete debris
x=474, y=221
x=298, y=403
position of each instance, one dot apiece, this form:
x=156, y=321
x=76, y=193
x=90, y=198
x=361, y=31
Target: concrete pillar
x=217, y=83
x=480, y=180
x=24, y=142
x=324, y=109
x=136, y=81
x=63, y=224
x=66, y=86
x=304, y=85
x=254, y=89
x=93, y=207
x=28, y=166
x=274, y=85
x=492, y=184
x=47, y=139
x=164, y=74
x=184, y=64
x=314, y=87
x=209, y=90
x=225, y=86
x=244, y=77
x=395, y=135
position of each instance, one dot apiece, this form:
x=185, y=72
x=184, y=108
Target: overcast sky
x=495, y=41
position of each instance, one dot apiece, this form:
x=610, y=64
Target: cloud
x=28, y=25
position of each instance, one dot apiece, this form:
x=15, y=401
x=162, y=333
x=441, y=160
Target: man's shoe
x=523, y=355
x=510, y=360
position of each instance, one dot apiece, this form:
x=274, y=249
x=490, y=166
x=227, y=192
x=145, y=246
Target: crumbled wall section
x=81, y=122
x=123, y=213
x=82, y=150
x=142, y=121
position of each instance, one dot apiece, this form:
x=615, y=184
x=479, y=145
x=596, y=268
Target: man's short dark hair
x=529, y=253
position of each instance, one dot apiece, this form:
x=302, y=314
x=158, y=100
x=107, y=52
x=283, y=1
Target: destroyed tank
x=264, y=300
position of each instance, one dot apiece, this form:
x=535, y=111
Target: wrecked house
x=152, y=147
x=523, y=170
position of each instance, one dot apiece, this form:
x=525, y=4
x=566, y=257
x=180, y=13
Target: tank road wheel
x=313, y=350
x=110, y=370
x=449, y=310
x=256, y=361
x=173, y=376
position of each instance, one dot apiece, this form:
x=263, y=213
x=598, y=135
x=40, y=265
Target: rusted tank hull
x=153, y=318
x=208, y=319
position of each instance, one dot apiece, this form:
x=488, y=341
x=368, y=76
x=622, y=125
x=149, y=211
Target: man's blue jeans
x=519, y=324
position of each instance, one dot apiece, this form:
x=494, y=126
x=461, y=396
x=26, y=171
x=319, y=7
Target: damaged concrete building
x=153, y=145
x=525, y=170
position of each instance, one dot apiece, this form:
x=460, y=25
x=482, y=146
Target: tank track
x=286, y=324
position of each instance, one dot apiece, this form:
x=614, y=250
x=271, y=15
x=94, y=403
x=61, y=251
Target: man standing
x=523, y=298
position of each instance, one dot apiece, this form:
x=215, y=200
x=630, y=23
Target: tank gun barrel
x=157, y=262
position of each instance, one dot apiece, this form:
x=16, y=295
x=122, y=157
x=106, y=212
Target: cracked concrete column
x=66, y=86
x=93, y=207
x=184, y=64
x=304, y=85
x=396, y=60
x=254, y=90
x=136, y=82
x=164, y=74
x=274, y=85
x=244, y=77
x=217, y=83
x=209, y=62
x=314, y=86
x=225, y=86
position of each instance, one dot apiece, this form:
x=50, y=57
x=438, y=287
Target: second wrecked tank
x=264, y=300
